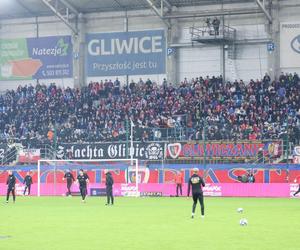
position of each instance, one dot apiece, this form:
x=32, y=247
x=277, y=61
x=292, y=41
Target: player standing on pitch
x=298, y=181
x=179, y=182
x=11, y=182
x=85, y=176
x=27, y=181
x=82, y=180
x=109, y=182
x=70, y=179
x=197, y=183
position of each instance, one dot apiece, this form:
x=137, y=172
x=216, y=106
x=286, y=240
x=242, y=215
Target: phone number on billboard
x=57, y=72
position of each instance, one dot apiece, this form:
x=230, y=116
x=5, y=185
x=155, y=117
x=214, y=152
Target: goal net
x=125, y=173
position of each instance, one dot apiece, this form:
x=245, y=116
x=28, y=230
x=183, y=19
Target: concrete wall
x=252, y=60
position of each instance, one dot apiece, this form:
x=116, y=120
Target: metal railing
x=224, y=32
x=47, y=151
x=9, y=156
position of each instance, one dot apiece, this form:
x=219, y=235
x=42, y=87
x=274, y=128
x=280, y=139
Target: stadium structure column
x=274, y=32
x=172, y=35
x=223, y=61
x=126, y=30
x=79, y=53
x=223, y=56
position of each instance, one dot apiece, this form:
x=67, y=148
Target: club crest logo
x=174, y=150
x=154, y=151
x=143, y=175
x=60, y=153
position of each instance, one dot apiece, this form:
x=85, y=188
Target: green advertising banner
x=12, y=50
x=36, y=58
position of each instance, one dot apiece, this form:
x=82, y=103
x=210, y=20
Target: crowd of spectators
x=194, y=109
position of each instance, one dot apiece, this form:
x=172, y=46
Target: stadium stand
x=117, y=117
x=239, y=110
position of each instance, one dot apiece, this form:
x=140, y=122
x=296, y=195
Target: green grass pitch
x=60, y=223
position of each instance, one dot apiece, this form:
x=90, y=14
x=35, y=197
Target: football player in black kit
x=196, y=182
x=85, y=175
x=11, y=182
x=27, y=181
x=70, y=179
x=82, y=180
x=109, y=182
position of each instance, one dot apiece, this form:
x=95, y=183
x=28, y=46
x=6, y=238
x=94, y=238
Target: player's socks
x=192, y=215
x=202, y=216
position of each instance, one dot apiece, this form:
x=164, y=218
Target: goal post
x=50, y=172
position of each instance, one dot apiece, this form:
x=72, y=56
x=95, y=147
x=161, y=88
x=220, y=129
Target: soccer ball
x=243, y=222
x=240, y=210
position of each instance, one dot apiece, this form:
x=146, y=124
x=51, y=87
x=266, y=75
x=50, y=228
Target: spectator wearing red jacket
x=297, y=180
x=179, y=182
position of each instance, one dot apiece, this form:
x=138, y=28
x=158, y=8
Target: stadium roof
x=32, y=8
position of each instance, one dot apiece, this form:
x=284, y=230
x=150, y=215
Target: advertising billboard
x=36, y=58
x=126, y=53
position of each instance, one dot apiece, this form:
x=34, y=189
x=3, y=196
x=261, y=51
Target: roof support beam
x=159, y=13
x=224, y=12
x=262, y=6
x=55, y=10
x=154, y=8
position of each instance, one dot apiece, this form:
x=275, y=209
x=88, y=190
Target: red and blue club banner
x=192, y=150
x=163, y=150
x=156, y=173
x=221, y=179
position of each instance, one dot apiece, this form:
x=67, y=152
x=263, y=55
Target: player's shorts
x=197, y=196
x=83, y=190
